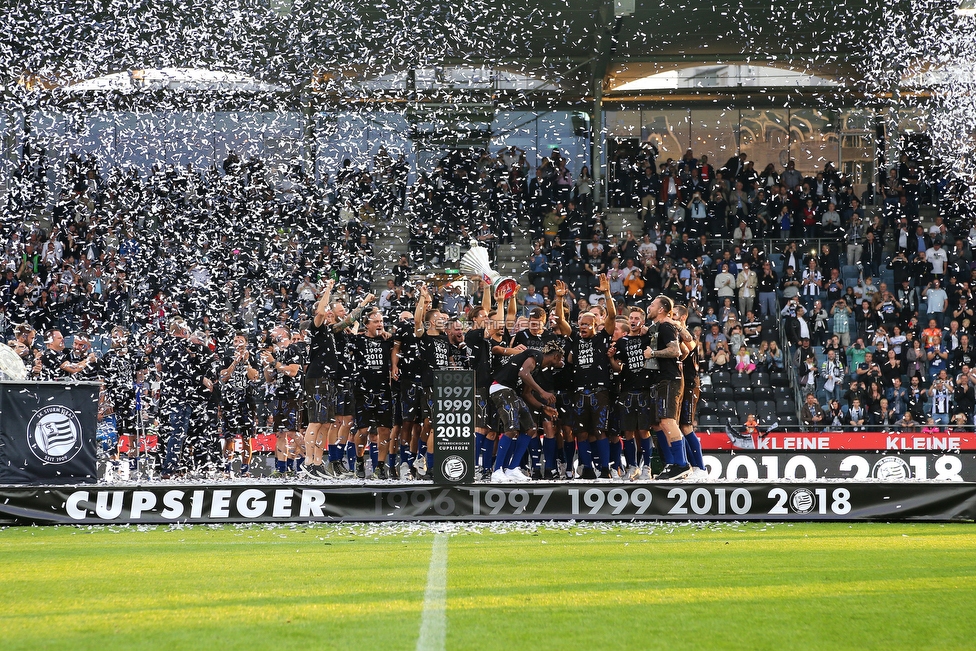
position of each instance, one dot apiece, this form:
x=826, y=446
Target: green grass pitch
x=555, y=586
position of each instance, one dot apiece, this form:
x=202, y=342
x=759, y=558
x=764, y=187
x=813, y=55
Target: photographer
x=697, y=214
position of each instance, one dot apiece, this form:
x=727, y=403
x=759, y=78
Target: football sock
x=603, y=449
x=663, y=446
x=504, y=445
x=678, y=453
x=479, y=449
x=647, y=450
x=630, y=452
x=569, y=453
x=616, y=451
x=583, y=450
x=549, y=453
x=299, y=462
x=391, y=460
x=374, y=455
x=519, y=450
x=244, y=468
x=333, y=452
x=489, y=454
x=430, y=461
x=280, y=466
x=694, y=450
x=290, y=465
x=535, y=452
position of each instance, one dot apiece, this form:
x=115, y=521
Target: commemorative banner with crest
x=47, y=432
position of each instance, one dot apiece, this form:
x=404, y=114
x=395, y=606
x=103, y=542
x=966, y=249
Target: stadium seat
x=782, y=393
x=725, y=407
x=720, y=378
x=767, y=403
x=779, y=379
x=745, y=407
x=760, y=380
x=850, y=271
x=766, y=414
x=787, y=420
x=706, y=406
x=707, y=390
x=741, y=381
x=785, y=407
x=709, y=420
x=724, y=393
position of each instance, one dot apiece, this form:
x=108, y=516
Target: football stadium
x=412, y=325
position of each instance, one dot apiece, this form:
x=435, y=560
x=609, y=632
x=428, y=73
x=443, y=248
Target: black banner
x=194, y=504
x=47, y=432
x=883, y=466
x=452, y=420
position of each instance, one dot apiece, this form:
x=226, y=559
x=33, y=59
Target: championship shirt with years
x=372, y=363
x=591, y=365
x=630, y=353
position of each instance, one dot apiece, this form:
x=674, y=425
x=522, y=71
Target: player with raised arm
x=514, y=418
x=634, y=398
x=374, y=398
x=429, y=328
x=238, y=375
x=589, y=355
x=479, y=350
x=320, y=388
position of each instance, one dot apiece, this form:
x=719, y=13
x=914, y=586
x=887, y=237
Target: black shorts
x=427, y=401
x=123, y=408
x=669, y=399
x=345, y=399
x=689, y=403
x=319, y=400
x=285, y=412
x=591, y=411
x=238, y=418
x=485, y=415
x=411, y=401
x=634, y=410
x=513, y=413
x=565, y=407
x=374, y=409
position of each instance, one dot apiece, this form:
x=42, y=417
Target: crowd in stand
x=875, y=306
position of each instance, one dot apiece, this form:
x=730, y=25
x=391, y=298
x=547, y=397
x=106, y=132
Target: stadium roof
x=569, y=45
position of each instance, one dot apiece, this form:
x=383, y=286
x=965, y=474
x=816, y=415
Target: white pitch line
x=433, y=622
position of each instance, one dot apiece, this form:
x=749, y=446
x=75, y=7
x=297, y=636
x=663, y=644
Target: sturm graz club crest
x=54, y=434
x=454, y=467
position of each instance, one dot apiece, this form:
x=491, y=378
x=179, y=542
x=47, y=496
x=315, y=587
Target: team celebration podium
x=47, y=432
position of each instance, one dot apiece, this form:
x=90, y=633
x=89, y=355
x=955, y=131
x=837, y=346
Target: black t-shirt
x=409, y=362
x=630, y=353
x=661, y=335
x=289, y=386
x=508, y=374
x=434, y=356
x=117, y=370
x=322, y=352
x=690, y=365
x=591, y=365
x=237, y=389
x=51, y=361
x=373, y=358
x=479, y=353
